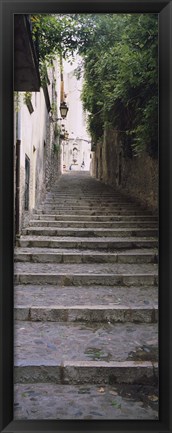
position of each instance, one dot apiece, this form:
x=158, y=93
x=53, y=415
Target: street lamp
x=63, y=109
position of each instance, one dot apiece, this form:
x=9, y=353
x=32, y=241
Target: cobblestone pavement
x=86, y=306
x=58, y=342
x=85, y=402
x=41, y=295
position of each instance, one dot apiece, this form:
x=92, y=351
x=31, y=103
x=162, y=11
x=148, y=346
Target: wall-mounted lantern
x=63, y=109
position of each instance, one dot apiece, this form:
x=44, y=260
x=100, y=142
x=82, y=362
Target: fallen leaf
x=153, y=397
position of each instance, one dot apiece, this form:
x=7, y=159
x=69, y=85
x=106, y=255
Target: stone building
x=76, y=150
x=45, y=143
x=36, y=109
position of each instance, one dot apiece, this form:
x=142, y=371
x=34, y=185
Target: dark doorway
x=27, y=178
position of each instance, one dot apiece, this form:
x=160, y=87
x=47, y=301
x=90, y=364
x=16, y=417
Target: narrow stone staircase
x=86, y=306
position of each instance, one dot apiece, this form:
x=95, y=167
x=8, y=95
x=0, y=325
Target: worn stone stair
x=86, y=306
x=47, y=255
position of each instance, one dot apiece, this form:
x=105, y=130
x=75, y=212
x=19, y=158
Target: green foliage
x=43, y=66
x=121, y=79
x=27, y=97
x=57, y=130
x=62, y=33
x=120, y=57
x=56, y=148
x=46, y=31
x=54, y=108
x=17, y=101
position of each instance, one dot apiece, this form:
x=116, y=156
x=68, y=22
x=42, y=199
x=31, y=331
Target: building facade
x=36, y=108
x=46, y=144
x=76, y=150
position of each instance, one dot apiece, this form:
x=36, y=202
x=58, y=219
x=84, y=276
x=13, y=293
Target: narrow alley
x=86, y=203
x=86, y=306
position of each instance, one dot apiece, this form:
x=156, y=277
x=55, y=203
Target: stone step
x=89, y=212
x=84, y=279
x=85, y=372
x=80, y=274
x=78, y=197
x=84, y=314
x=132, y=296
x=97, y=197
x=82, y=202
x=73, y=256
x=88, y=206
x=85, y=301
x=86, y=402
x=83, y=243
x=87, y=201
x=56, y=192
x=93, y=224
x=73, y=353
x=87, y=268
x=99, y=218
x=71, y=193
x=92, y=192
x=92, y=232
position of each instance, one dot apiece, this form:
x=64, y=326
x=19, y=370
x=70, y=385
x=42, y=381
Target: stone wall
x=140, y=180
x=137, y=177
x=55, y=167
x=93, y=164
x=105, y=162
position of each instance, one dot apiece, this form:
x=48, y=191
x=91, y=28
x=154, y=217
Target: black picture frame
x=164, y=9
